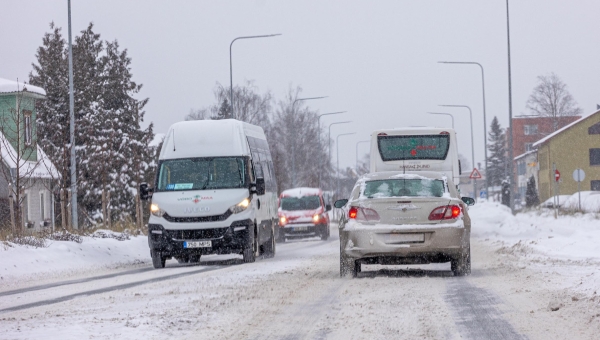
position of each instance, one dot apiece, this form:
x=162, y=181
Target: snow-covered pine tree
x=496, y=167
x=52, y=123
x=112, y=148
x=531, y=195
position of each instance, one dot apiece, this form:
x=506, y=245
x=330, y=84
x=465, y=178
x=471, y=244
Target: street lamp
x=337, y=146
x=472, y=143
x=74, y=218
x=443, y=113
x=231, y=64
x=487, y=181
x=329, y=137
x=319, y=132
x=294, y=139
x=362, y=141
x=510, y=122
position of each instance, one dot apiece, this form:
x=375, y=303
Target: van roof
x=209, y=138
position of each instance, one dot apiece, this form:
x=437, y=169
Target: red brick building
x=530, y=129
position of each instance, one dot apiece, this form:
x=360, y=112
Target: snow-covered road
x=299, y=295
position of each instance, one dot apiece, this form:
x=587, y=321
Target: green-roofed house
x=22, y=160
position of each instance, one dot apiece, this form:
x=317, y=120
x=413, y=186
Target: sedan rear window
x=404, y=187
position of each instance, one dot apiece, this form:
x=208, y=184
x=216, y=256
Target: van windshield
x=397, y=148
x=300, y=203
x=202, y=173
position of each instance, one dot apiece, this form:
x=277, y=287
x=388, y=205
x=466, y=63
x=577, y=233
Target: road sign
x=556, y=175
x=578, y=175
x=475, y=174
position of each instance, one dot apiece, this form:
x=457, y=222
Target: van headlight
x=156, y=210
x=238, y=208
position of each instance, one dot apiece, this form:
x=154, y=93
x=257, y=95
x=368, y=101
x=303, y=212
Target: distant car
x=560, y=200
x=303, y=213
x=396, y=218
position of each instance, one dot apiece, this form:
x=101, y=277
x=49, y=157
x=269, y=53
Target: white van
x=215, y=193
x=415, y=149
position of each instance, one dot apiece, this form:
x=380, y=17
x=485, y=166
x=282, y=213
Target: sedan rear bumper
x=371, y=241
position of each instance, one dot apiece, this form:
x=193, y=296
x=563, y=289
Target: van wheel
x=158, y=261
x=249, y=253
x=269, y=247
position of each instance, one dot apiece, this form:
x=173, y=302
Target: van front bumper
x=232, y=239
x=303, y=230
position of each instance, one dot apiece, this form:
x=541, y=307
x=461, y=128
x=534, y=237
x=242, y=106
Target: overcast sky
x=375, y=59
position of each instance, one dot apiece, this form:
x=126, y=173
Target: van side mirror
x=328, y=207
x=145, y=192
x=259, y=186
x=340, y=203
x=468, y=200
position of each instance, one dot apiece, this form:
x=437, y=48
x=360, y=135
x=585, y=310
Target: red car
x=303, y=213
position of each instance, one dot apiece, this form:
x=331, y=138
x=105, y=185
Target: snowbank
x=570, y=237
x=61, y=256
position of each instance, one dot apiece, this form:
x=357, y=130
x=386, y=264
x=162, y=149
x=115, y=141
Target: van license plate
x=300, y=228
x=197, y=244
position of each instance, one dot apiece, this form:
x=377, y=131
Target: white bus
x=415, y=149
x=215, y=193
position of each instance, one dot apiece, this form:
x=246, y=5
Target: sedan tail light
x=446, y=212
x=363, y=214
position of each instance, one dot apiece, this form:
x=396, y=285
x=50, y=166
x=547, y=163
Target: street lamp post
x=319, y=132
x=337, y=158
x=294, y=138
x=446, y=114
x=360, y=142
x=231, y=65
x=487, y=181
x=472, y=144
x=74, y=218
x=510, y=122
x=329, y=138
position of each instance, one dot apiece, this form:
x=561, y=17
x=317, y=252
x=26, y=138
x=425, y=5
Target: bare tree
x=550, y=98
x=198, y=114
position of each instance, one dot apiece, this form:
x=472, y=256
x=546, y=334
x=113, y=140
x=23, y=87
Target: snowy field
x=524, y=266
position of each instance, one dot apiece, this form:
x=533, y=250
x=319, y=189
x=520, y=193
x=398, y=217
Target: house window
x=595, y=185
x=594, y=156
x=531, y=130
x=28, y=131
x=528, y=147
x=594, y=129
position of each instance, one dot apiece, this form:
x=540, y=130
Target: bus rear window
x=397, y=148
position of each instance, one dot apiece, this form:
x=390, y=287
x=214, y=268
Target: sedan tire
x=461, y=266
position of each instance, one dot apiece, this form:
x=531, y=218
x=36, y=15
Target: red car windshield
x=300, y=203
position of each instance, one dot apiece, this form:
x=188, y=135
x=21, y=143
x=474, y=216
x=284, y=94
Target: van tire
x=325, y=234
x=158, y=261
x=249, y=253
x=269, y=247
x=281, y=237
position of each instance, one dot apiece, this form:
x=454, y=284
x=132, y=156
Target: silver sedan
x=397, y=218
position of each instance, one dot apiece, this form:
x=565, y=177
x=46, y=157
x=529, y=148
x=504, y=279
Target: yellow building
x=576, y=145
